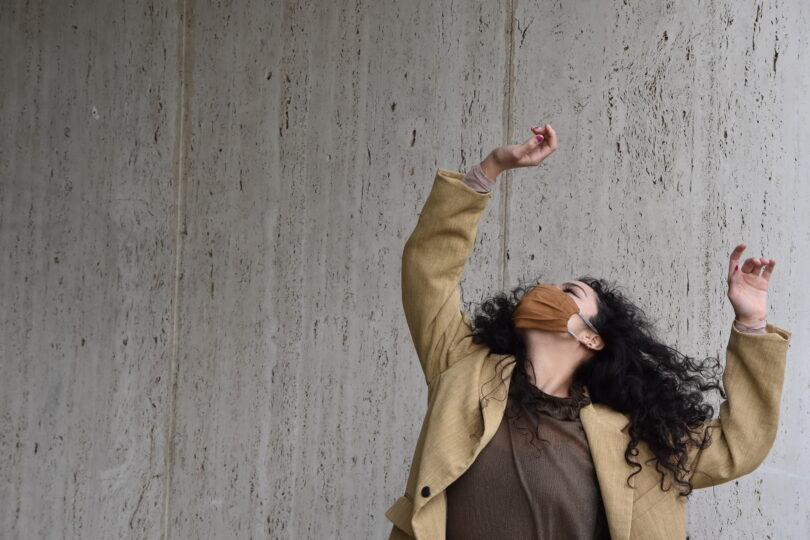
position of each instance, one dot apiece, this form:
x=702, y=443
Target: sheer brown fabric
x=534, y=479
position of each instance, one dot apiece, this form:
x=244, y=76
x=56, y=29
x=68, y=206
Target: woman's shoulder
x=609, y=415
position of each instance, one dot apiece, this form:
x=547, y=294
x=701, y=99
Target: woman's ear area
x=592, y=341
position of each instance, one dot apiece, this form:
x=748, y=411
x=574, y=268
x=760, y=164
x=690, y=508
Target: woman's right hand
x=542, y=144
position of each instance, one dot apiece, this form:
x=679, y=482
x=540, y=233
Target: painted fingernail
x=539, y=138
x=536, y=127
x=736, y=266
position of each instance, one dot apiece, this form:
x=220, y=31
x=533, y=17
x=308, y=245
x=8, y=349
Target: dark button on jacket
x=426, y=491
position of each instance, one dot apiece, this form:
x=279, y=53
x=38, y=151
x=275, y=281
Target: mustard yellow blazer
x=461, y=419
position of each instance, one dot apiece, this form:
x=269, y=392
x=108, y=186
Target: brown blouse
x=535, y=478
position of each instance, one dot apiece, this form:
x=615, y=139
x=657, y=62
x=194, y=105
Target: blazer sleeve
x=743, y=435
x=432, y=263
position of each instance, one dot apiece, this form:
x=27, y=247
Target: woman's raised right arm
x=432, y=262
x=435, y=254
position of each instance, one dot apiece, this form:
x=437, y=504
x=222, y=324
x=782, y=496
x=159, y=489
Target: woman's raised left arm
x=754, y=375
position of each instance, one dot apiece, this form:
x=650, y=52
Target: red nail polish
x=736, y=266
x=539, y=138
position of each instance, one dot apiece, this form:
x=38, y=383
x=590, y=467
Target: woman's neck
x=552, y=365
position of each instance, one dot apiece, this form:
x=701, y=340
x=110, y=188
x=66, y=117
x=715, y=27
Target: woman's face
x=585, y=297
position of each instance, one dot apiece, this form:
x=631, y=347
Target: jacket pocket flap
x=400, y=514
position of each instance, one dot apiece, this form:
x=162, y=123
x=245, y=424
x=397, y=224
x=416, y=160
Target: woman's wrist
x=749, y=321
x=476, y=180
x=492, y=167
x=750, y=327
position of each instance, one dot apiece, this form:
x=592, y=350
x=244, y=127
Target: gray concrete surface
x=204, y=206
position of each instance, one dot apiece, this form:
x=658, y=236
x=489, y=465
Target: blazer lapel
x=495, y=392
x=603, y=429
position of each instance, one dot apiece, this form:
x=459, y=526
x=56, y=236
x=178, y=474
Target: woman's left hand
x=747, y=289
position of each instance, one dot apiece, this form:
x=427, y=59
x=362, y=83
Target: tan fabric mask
x=548, y=308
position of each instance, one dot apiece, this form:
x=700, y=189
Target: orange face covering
x=548, y=308
x=545, y=307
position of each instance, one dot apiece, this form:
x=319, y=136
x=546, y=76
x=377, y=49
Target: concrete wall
x=204, y=206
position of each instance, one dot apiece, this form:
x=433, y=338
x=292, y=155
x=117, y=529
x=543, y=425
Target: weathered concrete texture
x=681, y=128
x=204, y=207
x=87, y=243
x=299, y=397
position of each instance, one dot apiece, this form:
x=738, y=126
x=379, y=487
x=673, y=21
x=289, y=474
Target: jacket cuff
x=772, y=333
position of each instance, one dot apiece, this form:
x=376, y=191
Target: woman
x=556, y=413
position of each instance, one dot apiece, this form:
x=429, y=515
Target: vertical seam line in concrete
x=183, y=69
x=507, y=127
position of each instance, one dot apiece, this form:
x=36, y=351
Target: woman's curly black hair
x=660, y=389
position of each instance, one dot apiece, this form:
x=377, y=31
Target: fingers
x=552, y=137
x=761, y=263
x=529, y=146
x=754, y=265
x=734, y=260
x=769, y=269
x=536, y=141
x=548, y=133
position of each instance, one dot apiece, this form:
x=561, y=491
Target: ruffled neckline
x=561, y=408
